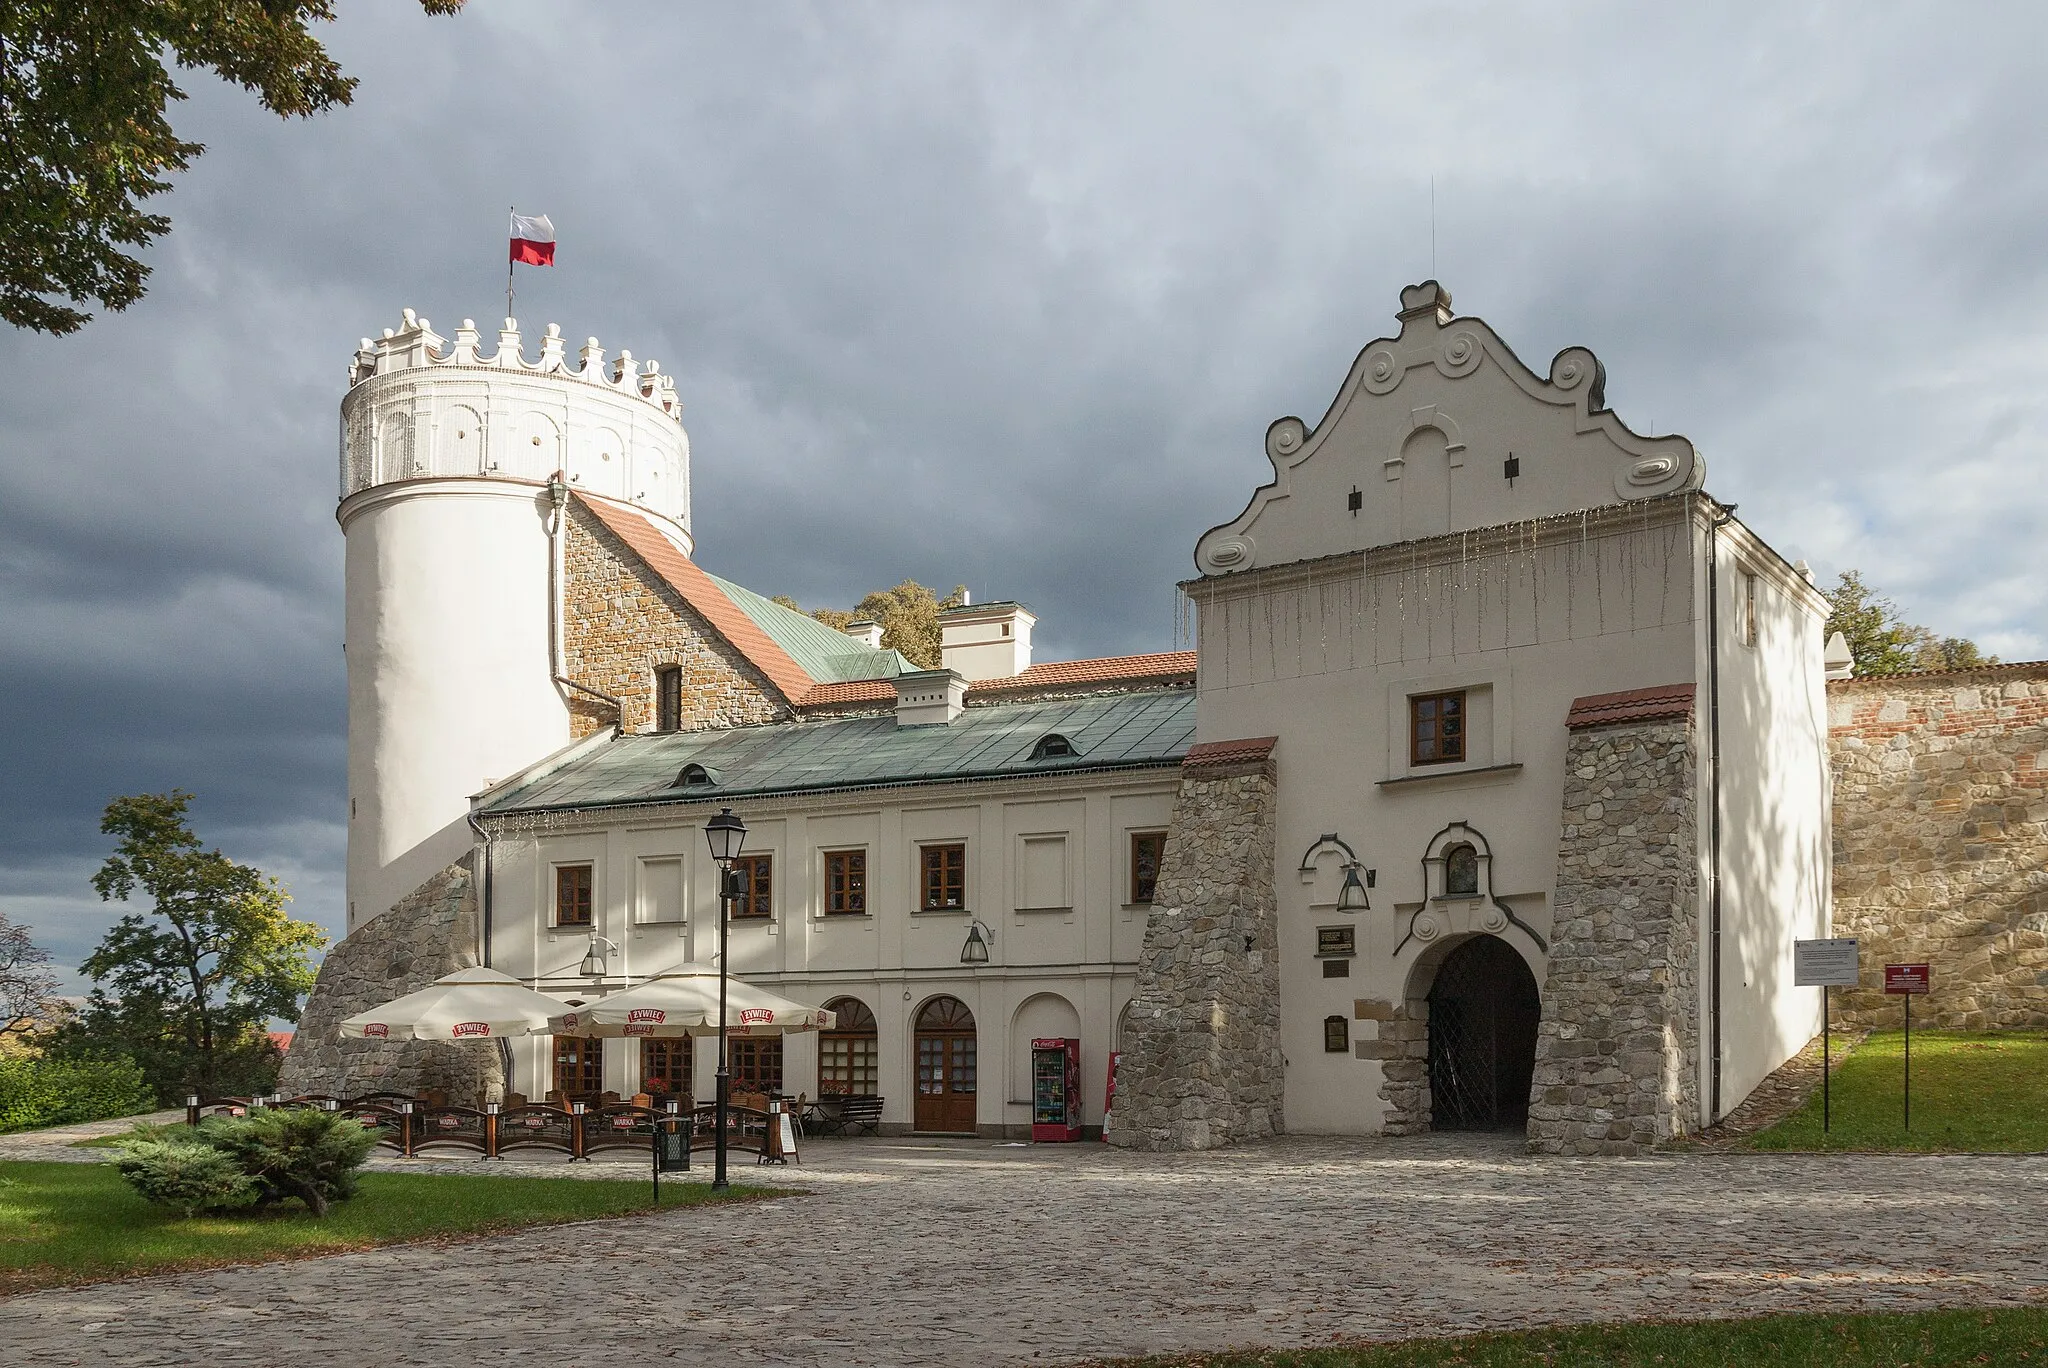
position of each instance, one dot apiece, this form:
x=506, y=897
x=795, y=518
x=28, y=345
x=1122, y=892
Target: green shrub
x=186, y=1173
x=57, y=1092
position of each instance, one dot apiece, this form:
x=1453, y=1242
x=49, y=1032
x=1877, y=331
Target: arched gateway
x=1483, y=1012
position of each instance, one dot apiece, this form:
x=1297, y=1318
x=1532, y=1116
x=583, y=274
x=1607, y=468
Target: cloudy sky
x=1007, y=295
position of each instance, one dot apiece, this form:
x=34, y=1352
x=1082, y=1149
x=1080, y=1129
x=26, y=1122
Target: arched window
x=1053, y=746
x=1461, y=872
x=847, y=1054
x=947, y=1070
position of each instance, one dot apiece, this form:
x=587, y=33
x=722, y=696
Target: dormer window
x=695, y=775
x=1053, y=746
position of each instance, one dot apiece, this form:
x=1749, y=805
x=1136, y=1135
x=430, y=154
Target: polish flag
x=533, y=240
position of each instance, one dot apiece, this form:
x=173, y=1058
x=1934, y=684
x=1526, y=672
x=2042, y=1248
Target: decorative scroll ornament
x=1383, y=371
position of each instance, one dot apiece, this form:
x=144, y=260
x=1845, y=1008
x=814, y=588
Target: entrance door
x=946, y=1071
x=1483, y=1010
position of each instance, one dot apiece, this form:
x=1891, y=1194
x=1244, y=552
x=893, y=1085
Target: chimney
x=986, y=640
x=929, y=698
x=865, y=632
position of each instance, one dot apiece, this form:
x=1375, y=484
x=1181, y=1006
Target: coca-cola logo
x=465, y=1029
x=377, y=1030
x=654, y=1014
x=756, y=1016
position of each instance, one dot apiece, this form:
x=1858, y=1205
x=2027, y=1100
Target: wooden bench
x=862, y=1112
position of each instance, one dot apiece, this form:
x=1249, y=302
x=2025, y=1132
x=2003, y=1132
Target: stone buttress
x=426, y=935
x=1617, y=1050
x=1201, y=1064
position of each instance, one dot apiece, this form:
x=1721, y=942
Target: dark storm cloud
x=1008, y=296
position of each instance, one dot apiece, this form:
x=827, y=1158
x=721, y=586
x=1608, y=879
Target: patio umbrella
x=469, y=1004
x=684, y=1001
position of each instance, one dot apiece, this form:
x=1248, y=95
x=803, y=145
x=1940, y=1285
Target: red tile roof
x=697, y=589
x=1054, y=674
x=1229, y=752
x=1630, y=705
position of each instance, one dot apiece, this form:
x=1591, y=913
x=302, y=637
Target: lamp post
x=726, y=834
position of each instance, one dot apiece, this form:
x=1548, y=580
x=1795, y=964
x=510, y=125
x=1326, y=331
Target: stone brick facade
x=1402, y=1047
x=621, y=623
x=1941, y=841
x=1617, y=1048
x=1202, y=1065
x=432, y=932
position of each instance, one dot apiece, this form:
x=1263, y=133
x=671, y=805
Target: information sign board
x=1906, y=978
x=1824, y=963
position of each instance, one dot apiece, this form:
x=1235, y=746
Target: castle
x=1494, y=793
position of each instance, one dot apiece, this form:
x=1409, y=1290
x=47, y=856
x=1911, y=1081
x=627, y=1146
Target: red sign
x=569, y=1020
x=1906, y=978
x=464, y=1029
x=376, y=1030
x=757, y=1016
x=654, y=1014
x=639, y=1029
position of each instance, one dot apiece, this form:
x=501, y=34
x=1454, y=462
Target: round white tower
x=452, y=579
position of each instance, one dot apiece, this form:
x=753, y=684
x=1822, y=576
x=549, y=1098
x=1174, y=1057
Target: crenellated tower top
x=420, y=406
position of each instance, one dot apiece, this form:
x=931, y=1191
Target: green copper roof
x=828, y=656
x=1106, y=731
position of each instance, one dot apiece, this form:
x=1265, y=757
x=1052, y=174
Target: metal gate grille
x=1482, y=1038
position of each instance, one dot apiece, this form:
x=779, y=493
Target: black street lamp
x=726, y=835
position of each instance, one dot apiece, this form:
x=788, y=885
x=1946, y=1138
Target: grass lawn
x=1928, y=1339
x=1972, y=1090
x=69, y=1223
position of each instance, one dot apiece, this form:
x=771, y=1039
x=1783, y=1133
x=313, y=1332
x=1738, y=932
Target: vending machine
x=1055, y=1089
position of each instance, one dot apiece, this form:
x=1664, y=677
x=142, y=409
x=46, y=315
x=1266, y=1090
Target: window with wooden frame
x=572, y=895
x=846, y=883
x=668, y=698
x=756, y=1064
x=665, y=1066
x=849, y=1056
x=942, y=878
x=1147, y=849
x=757, y=899
x=1436, y=728
x=579, y=1067
x=1749, y=607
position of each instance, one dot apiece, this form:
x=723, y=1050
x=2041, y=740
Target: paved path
x=974, y=1254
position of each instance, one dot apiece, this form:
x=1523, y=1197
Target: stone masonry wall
x=621, y=623
x=1941, y=841
x=1617, y=1048
x=1201, y=1064
x=431, y=932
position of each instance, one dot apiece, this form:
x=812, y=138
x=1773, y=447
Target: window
x=1436, y=731
x=759, y=874
x=579, y=1068
x=1336, y=1035
x=1042, y=872
x=944, y=878
x=661, y=890
x=668, y=698
x=756, y=1064
x=1748, y=608
x=1461, y=872
x=848, y=1058
x=1053, y=746
x=665, y=1066
x=1147, y=849
x=846, y=883
x=572, y=895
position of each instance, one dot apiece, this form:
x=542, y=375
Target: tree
x=1883, y=642
x=84, y=86
x=26, y=987
x=196, y=981
x=908, y=614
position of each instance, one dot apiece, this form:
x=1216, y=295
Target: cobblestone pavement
x=971, y=1253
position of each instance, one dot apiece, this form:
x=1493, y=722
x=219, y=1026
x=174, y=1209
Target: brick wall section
x=1201, y=1064
x=1617, y=1048
x=431, y=932
x=621, y=623
x=1401, y=1044
x=1941, y=841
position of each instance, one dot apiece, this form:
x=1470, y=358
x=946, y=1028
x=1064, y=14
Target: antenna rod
x=511, y=212
x=1432, y=227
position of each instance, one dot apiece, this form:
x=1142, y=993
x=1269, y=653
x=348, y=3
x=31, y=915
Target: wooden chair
x=513, y=1101
x=644, y=1101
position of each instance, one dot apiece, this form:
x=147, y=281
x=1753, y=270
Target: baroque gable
x=1443, y=429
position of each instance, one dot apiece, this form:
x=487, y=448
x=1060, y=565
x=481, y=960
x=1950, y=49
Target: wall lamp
x=594, y=962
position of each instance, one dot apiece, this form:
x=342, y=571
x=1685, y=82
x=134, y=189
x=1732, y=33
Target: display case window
x=1336, y=941
x=1336, y=1035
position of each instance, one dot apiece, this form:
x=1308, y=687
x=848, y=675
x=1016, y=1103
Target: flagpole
x=511, y=212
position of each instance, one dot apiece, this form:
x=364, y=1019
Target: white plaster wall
x=1327, y=664
x=449, y=685
x=1079, y=959
x=1775, y=799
